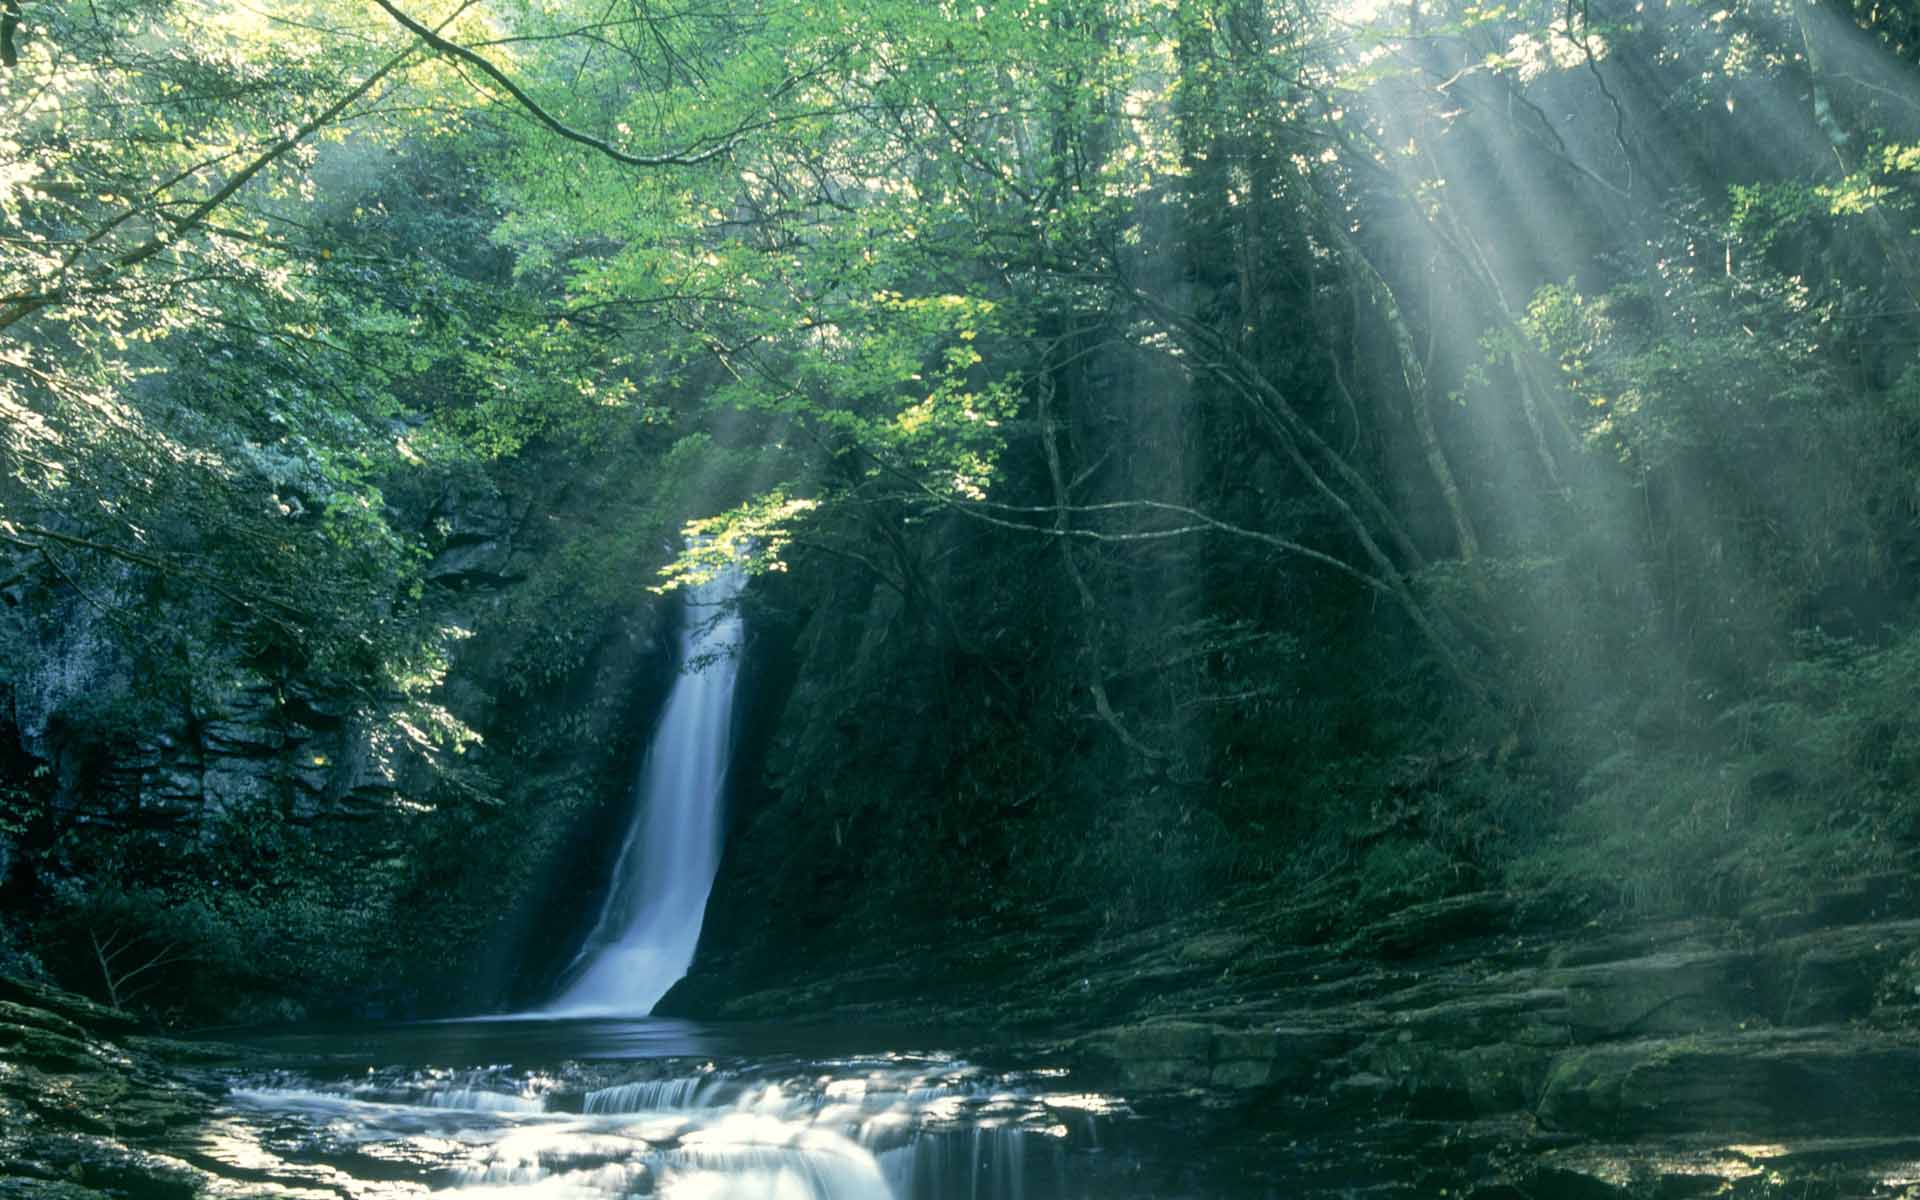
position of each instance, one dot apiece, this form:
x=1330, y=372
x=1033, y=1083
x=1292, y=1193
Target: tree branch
x=685, y=158
x=11, y=532
x=1096, y=680
x=234, y=183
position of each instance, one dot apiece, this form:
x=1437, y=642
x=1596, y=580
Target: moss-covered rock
x=51, y=1002
x=1670, y=992
x=1748, y=1083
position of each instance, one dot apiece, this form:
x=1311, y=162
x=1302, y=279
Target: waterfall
x=647, y=930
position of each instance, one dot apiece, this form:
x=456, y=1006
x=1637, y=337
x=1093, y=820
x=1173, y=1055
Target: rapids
x=887, y=1126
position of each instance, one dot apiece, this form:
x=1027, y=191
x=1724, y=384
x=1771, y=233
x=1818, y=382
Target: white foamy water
x=879, y=1129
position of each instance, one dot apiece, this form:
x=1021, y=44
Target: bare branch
x=1089, y=608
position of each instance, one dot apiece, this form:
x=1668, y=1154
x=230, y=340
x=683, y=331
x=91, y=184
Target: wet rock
x=174, y=1052
x=1837, y=974
x=1213, y=948
x=78, y=1010
x=1729, y=1167
x=101, y=1165
x=1281, y=1056
x=1636, y=942
x=1503, y=1078
x=1533, y=1016
x=46, y=1189
x=1434, y=924
x=1862, y=899
x=44, y=1048
x=1362, y=1090
x=1434, y=1080
x=1166, y=1054
x=1675, y=992
x=1769, y=1081
x=60, y=1075
x=1182, y=1054
x=14, y=1013
x=73, y=1098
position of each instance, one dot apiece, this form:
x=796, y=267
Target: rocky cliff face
x=309, y=747
x=291, y=805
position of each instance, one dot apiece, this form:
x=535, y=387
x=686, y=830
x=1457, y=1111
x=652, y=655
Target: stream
x=656, y=1107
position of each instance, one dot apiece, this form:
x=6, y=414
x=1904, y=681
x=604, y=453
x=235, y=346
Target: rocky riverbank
x=85, y=1100
x=1479, y=1045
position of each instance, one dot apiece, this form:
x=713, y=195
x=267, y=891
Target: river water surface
x=655, y=1107
x=522, y=1109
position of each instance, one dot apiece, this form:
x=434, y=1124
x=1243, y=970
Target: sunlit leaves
x=841, y=264
x=1658, y=374
x=754, y=534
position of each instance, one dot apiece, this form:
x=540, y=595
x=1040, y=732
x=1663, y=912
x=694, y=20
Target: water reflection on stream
x=671, y=1109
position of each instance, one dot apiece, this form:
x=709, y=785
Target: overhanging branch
x=479, y=62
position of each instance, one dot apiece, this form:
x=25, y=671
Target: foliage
x=1232, y=442
x=228, y=934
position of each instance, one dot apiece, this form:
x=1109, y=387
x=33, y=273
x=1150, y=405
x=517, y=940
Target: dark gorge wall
x=282, y=840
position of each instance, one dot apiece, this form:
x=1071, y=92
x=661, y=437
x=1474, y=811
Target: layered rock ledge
x=84, y=1099
x=1481, y=1045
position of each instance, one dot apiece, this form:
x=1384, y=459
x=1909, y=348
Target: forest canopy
x=1239, y=399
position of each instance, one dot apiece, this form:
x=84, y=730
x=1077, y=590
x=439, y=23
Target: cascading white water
x=645, y=937
x=898, y=1127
